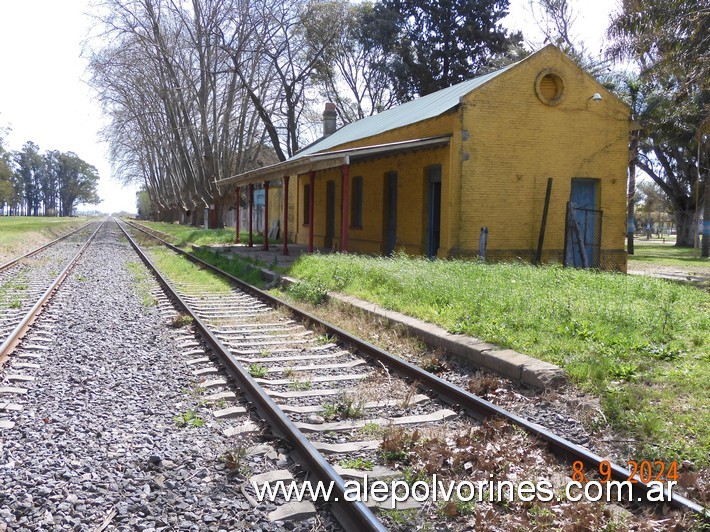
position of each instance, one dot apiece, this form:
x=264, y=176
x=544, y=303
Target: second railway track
x=27, y=283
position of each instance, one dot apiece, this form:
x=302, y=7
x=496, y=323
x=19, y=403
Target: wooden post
x=311, y=193
x=266, y=216
x=237, y=240
x=344, y=218
x=543, y=224
x=284, y=232
x=251, y=215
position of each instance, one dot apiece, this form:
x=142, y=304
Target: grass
x=20, y=234
x=183, y=235
x=240, y=268
x=668, y=255
x=640, y=344
x=180, y=270
x=141, y=282
x=258, y=370
x=357, y=463
x=189, y=419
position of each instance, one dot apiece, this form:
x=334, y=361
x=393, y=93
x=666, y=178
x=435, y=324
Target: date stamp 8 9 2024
x=644, y=471
x=660, y=478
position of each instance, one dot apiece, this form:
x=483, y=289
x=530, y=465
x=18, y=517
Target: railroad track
x=28, y=282
x=286, y=370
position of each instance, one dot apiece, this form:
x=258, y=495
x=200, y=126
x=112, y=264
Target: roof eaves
x=326, y=160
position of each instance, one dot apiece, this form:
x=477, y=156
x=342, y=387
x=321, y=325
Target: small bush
x=257, y=370
x=189, y=419
x=308, y=292
x=181, y=320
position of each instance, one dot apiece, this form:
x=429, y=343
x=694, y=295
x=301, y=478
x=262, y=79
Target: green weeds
x=357, y=463
x=140, y=281
x=309, y=292
x=344, y=408
x=617, y=336
x=299, y=385
x=258, y=371
x=240, y=268
x=181, y=320
x=189, y=419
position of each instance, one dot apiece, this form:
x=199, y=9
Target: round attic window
x=549, y=87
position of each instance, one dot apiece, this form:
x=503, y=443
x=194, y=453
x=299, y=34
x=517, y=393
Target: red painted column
x=310, y=212
x=266, y=216
x=251, y=215
x=236, y=217
x=284, y=229
x=344, y=218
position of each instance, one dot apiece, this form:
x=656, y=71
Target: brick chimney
x=329, y=119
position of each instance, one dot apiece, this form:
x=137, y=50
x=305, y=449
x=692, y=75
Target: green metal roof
x=428, y=106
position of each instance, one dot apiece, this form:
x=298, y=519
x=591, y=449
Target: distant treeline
x=44, y=184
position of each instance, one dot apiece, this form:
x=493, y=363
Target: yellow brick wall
x=515, y=142
x=411, y=201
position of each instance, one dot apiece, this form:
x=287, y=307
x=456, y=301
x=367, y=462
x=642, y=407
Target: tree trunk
x=706, y=217
x=221, y=203
x=631, y=194
x=685, y=232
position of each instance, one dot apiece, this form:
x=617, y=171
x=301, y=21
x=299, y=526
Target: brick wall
x=515, y=142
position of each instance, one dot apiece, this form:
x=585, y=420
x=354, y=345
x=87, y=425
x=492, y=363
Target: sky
x=44, y=97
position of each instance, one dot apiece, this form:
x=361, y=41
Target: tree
x=668, y=35
x=30, y=167
x=432, y=45
x=180, y=117
x=557, y=21
x=77, y=181
x=284, y=42
x=348, y=74
x=7, y=190
x=143, y=204
x=669, y=41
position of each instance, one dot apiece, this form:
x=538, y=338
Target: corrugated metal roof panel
x=428, y=106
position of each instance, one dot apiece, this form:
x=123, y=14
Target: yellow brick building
x=428, y=176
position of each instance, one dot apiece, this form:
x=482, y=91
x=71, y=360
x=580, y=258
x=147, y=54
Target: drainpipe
x=251, y=215
x=237, y=240
x=266, y=216
x=311, y=192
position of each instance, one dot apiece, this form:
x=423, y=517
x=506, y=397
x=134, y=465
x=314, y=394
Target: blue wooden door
x=583, y=204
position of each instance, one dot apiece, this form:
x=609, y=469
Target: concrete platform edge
x=523, y=369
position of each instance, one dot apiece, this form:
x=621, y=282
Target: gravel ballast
x=96, y=443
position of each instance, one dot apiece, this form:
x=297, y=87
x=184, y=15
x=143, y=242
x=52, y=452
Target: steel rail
x=352, y=515
x=45, y=246
x=476, y=406
x=19, y=331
